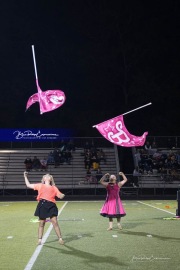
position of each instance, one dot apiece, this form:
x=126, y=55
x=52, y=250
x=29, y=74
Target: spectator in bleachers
x=93, y=149
x=50, y=158
x=171, y=162
x=165, y=162
x=101, y=156
x=87, y=159
x=154, y=145
x=137, y=157
x=136, y=174
x=65, y=156
x=36, y=164
x=68, y=157
x=148, y=148
x=28, y=164
x=62, y=146
x=94, y=162
x=87, y=146
x=170, y=143
x=71, y=146
x=145, y=163
x=88, y=175
x=44, y=164
x=178, y=157
x=99, y=174
x=93, y=176
x=147, y=145
x=56, y=156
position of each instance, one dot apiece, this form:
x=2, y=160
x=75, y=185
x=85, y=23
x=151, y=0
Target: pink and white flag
x=115, y=131
x=48, y=100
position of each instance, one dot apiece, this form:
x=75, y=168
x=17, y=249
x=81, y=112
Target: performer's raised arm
x=121, y=183
x=102, y=180
x=27, y=181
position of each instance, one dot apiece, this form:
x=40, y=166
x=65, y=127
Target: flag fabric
x=115, y=131
x=48, y=100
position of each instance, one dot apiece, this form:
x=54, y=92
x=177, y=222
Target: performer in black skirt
x=47, y=191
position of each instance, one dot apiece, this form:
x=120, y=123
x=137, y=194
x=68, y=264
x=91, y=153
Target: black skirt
x=112, y=216
x=46, y=209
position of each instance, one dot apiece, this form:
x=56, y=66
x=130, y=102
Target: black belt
x=43, y=200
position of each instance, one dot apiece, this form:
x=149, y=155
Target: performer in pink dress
x=113, y=207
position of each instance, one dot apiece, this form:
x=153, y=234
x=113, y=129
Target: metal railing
x=161, y=141
x=154, y=185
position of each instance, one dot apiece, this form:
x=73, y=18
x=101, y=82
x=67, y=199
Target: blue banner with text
x=21, y=134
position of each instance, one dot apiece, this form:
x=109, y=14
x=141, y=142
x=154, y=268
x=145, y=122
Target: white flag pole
x=137, y=108
x=131, y=111
x=34, y=62
x=34, y=59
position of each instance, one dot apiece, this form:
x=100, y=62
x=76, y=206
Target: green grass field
x=149, y=239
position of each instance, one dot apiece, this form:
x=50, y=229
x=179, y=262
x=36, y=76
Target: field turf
x=149, y=239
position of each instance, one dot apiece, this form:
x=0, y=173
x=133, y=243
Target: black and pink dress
x=113, y=206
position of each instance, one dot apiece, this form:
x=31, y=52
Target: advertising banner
x=33, y=134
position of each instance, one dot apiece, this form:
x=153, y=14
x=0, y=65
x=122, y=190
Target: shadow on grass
x=87, y=257
x=163, y=238
x=73, y=237
x=132, y=225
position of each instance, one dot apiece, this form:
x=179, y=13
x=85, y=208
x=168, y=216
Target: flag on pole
x=115, y=131
x=48, y=100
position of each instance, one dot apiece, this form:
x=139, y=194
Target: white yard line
x=156, y=207
x=38, y=249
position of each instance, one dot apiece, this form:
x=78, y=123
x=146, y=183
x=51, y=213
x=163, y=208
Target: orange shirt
x=46, y=192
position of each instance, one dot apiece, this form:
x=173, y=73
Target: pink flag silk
x=48, y=100
x=115, y=131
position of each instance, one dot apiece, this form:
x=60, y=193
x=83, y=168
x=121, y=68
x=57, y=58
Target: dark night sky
x=108, y=57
